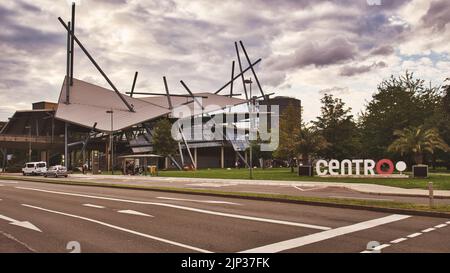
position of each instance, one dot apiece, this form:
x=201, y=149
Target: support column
x=66, y=155
x=108, y=161
x=44, y=156
x=167, y=162
x=195, y=158
x=222, y=157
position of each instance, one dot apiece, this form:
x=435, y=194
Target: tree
x=310, y=143
x=163, y=142
x=290, y=123
x=446, y=99
x=417, y=141
x=337, y=127
x=399, y=103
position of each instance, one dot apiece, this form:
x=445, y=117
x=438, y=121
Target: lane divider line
x=380, y=247
x=199, y=201
x=133, y=212
x=121, y=229
x=9, y=236
x=398, y=240
x=94, y=206
x=413, y=235
x=428, y=230
x=237, y=216
x=325, y=235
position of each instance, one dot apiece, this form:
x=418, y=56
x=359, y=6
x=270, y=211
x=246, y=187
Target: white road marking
x=9, y=236
x=121, y=229
x=440, y=226
x=428, y=230
x=133, y=212
x=24, y=224
x=448, y=222
x=94, y=206
x=414, y=235
x=199, y=201
x=398, y=240
x=359, y=198
x=9, y=182
x=380, y=247
x=1, y=185
x=245, y=217
x=324, y=235
x=311, y=188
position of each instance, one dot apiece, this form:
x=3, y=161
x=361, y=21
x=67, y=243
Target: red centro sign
x=358, y=167
x=381, y=163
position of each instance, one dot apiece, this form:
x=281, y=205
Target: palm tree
x=310, y=142
x=417, y=141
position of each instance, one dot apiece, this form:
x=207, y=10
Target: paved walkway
x=359, y=187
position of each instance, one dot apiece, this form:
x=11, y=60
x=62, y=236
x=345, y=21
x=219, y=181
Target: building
x=102, y=127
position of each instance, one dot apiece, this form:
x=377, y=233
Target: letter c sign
x=380, y=163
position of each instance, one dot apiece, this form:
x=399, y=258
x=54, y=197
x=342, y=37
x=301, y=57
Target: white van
x=35, y=168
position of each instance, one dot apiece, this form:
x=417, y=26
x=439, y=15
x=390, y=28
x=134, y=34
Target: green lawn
x=440, y=181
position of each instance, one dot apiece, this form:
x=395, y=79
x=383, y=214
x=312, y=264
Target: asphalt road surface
x=40, y=217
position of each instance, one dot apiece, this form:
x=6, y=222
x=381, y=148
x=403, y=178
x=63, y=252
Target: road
x=41, y=217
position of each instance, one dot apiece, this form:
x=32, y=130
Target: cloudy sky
x=308, y=47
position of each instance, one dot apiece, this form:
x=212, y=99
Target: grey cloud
x=28, y=7
x=332, y=51
x=349, y=71
x=383, y=50
x=335, y=90
x=438, y=15
x=29, y=38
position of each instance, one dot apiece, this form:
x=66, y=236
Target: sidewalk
x=359, y=187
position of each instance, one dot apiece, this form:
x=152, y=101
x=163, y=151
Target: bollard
x=430, y=194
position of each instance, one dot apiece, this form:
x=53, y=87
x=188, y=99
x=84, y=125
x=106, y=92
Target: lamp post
x=249, y=81
x=29, y=142
x=111, y=147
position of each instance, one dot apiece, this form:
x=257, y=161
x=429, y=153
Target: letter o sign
x=384, y=161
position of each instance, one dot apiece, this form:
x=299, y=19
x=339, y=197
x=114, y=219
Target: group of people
x=133, y=169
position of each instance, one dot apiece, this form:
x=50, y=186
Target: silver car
x=56, y=171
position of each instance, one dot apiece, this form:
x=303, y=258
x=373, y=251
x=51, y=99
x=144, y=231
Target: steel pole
x=29, y=144
x=111, y=139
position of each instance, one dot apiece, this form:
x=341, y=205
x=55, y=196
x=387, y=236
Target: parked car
x=56, y=171
x=35, y=168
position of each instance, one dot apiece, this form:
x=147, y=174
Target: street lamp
x=111, y=147
x=29, y=142
x=249, y=81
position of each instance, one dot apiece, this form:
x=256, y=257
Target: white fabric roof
x=89, y=103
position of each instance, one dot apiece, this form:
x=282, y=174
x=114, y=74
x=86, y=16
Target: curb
x=237, y=196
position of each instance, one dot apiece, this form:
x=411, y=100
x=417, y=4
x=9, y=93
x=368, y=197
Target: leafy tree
x=446, y=99
x=337, y=127
x=163, y=143
x=310, y=143
x=417, y=141
x=441, y=120
x=290, y=123
x=399, y=103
